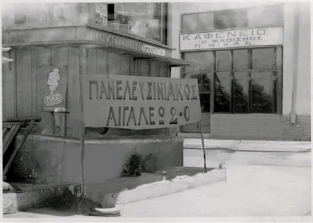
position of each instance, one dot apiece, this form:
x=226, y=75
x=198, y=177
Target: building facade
x=254, y=74
x=53, y=45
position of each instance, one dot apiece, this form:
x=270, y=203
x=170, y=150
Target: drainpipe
x=293, y=114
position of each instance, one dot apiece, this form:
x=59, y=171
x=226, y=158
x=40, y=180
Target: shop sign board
x=127, y=43
x=64, y=34
x=133, y=102
x=232, y=38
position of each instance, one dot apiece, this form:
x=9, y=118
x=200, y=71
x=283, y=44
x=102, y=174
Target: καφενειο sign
x=118, y=101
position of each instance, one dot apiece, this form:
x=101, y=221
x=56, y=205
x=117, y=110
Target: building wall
x=55, y=160
x=296, y=60
x=25, y=78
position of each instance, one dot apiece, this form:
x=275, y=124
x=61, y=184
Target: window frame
x=277, y=79
x=163, y=28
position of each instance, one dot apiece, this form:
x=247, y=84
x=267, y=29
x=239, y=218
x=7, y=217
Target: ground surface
x=258, y=184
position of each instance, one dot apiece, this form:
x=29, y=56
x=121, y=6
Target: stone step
x=26, y=196
x=249, y=145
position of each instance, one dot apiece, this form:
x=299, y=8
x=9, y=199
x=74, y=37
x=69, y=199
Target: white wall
x=303, y=104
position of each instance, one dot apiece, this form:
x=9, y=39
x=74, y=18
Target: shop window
x=251, y=85
x=205, y=22
x=230, y=19
x=241, y=92
x=265, y=16
x=223, y=60
x=263, y=59
x=146, y=20
x=262, y=92
x=203, y=73
x=222, y=102
x=190, y=23
x=40, y=13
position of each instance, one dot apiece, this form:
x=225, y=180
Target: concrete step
x=194, y=135
x=121, y=191
x=249, y=145
x=26, y=196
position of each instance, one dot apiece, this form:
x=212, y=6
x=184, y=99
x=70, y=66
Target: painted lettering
x=111, y=116
x=151, y=114
x=118, y=89
x=186, y=37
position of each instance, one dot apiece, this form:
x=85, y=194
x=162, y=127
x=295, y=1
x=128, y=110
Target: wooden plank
x=114, y=64
x=143, y=68
x=54, y=57
x=131, y=66
x=17, y=149
x=43, y=57
x=34, y=83
x=91, y=61
x=23, y=119
x=163, y=70
x=5, y=137
x=279, y=67
x=102, y=61
x=19, y=83
x=73, y=92
x=4, y=130
x=154, y=69
x=27, y=82
x=124, y=64
x=9, y=86
x=11, y=135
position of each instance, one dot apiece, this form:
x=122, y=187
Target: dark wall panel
x=102, y=62
x=9, y=87
x=19, y=83
x=27, y=83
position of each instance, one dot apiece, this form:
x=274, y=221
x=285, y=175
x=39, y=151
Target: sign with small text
x=232, y=38
x=133, y=102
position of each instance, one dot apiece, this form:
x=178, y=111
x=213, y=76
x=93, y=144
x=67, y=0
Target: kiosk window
x=145, y=19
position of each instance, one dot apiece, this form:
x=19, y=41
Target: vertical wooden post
x=82, y=60
x=204, y=155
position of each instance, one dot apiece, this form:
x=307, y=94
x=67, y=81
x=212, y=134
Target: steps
x=27, y=196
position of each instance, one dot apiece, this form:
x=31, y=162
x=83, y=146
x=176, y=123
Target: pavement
x=249, y=145
x=259, y=183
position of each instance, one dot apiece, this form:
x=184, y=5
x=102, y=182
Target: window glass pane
x=205, y=59
x=229, y=19
x=205, y=22
x=189, y=23
x=265, y=16
x=263, y=59
x=204, y=83
x=263, y=94
x=141, y=19
x=205, y=102
x=241, y=60
x=223, y=60
x=222, y=100
x=241, y=92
